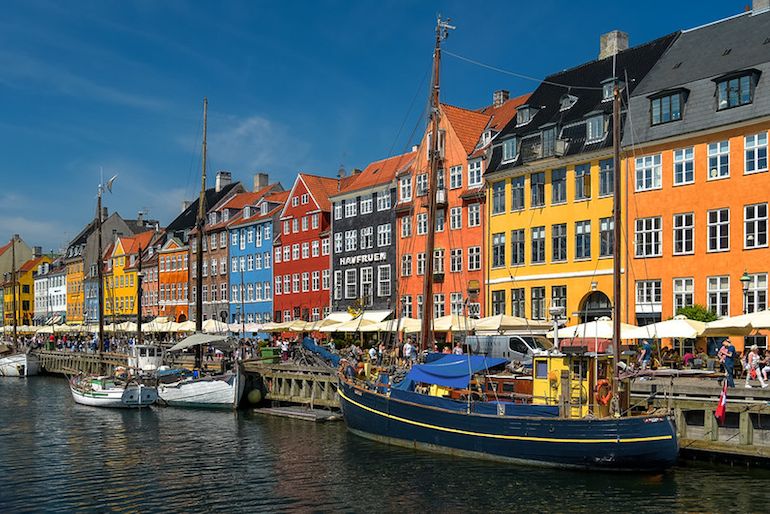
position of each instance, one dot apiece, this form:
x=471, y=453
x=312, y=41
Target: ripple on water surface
x=58, y=456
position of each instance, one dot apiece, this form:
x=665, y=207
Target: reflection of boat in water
x=111, y=392
x=19, y=365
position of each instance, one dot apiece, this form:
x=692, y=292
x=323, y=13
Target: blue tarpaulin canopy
x=320, y=350
x=449, y=371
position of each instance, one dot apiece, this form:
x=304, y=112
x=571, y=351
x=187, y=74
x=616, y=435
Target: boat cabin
x=145, y=357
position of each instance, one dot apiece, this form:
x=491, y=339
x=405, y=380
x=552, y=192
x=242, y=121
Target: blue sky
x=291, y=86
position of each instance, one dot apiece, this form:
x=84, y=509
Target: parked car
x=518, y=348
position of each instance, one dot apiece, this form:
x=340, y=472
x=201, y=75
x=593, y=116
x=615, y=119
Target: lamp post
x=745, y=282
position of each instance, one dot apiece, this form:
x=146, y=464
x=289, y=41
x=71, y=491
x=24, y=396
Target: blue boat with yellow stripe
x=420, y=413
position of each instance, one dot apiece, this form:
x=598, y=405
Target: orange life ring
x=603, y=399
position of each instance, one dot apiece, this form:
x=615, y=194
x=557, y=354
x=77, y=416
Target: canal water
x=58, y=456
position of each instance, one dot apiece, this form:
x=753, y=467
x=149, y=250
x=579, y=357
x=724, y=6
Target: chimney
x=185, y=204
x=500, y=96
x=415, y=147
x=260, y=181
x=37, y=251
x=140, y=217
x=224, y=178
x=341, y=172
x=105, y=213
x=612, y=43
x=758, y=6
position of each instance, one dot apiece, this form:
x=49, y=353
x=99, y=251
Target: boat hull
x=19, y=365
x=204, y=393
x=630, y=443
x=134, y=396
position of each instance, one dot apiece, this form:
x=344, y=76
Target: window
x=517, y=247
x=755, y=226
x=234, y=239
x=456, y=260
x=538, y=244
x=422, y=224
x=337, y=215
x=315, y=250
x=325, y=276
x=338, y=242
x=305, y=250
x=305, y=224
x=351, y=240
x=406, y=226
x=498, y=302
x=213, y=244
x=648, y=237
x=383, y=280
x=313, y=223
x=405, y=188
x=422, y=184
x=438, y=261
x=351, y=208
x=548, y=142
x=350, y=284
x=287, y=227
x=295, y=252
x=756, y=152
x=538, y=303
x=498, y=250
x=517, y=302
x=406, y=265
x=367, y=238
x=606, y=178
x=583, y=240
x=498, y=197
x=440, y=220
x=684, y=166
x=537, y=189
x=684, y=289
x=421, y=263
x=719, y=295
x=366, y=204
x=559, y=242
x=582, y=181
x=648, y=296
x=456, y=218
x=734, y=92
x=684, y=233
x=719, y=230
x=295, y=225
x=474, y=173
x=517, y=193
x=406, y=306
x=595, y=129
x=509, y=149
x=455, y=177
x=325, y=246
x=249, y=263
x=559, y=297
x=439, y=307
x=278, y=285
x=337, y=285
x=648, y=172
x=666, y=108
x=474, y=215
x=606, y=237
x=558, y=186
x=383, y=200
x=756, y=296
x=295, y=282
x=383, y=235
x=367, y=285
x=286, y=284
x=304, y=199
x=456, y=303
x=474, y=258
x=719, y=160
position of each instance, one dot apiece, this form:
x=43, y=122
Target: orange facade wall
x=173, y=284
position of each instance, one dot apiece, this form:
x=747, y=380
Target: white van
x=519, y=348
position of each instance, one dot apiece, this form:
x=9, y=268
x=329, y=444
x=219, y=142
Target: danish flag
x=721, y=411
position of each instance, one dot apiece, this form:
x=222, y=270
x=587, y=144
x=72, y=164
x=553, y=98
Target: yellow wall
x=25, y=297
x=75, y=294
x=576, y=274
x=119, y=286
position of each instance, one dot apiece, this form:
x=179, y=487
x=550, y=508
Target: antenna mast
x=426, y=332
x=615, y=407
x=200, y=222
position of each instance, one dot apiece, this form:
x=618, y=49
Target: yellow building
x=75, y=297
x=120, y=278
x=25, y=292
x=550, y=186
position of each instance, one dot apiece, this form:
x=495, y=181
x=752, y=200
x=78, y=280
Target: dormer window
x=263, y=208
x=736, y=90
x=666, y=107
x=595, y=128
x=524, y=114
x=607, y=90
x=567, y=101
x=510, y=149
x=486, y=137
x=226, y=215
x=548, y=141
x=213, y=218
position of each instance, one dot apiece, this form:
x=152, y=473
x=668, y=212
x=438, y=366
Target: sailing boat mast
x=616, y=235
x=139, y=299
x=199, y=224
x=426, y=332
x=13, y=287
x=100, y=273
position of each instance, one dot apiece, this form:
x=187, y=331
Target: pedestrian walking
x=752, y=367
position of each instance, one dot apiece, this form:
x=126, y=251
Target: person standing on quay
x=726, y=355
x=752, y=366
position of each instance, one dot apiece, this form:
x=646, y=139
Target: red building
x=302, y=271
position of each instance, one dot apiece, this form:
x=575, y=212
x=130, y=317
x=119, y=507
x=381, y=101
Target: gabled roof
x=467, y=124
x=240, y=221
x=139, y=241
x=279, y=197
x=321, y=188
x=32, y=264
x=378, y=173
x=240, y=200
x=186, y=220
x=503, y=113
x=172, y=242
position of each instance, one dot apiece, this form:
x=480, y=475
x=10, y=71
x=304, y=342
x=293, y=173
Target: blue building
x=251, y=235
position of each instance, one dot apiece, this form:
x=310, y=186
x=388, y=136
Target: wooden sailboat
x=216, y=391
x=445, y=406
x=121, y=390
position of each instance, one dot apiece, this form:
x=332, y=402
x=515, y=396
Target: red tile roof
x=31, y=264
x=504, y=113
x=379, y=172
x=5, y=247
x=240, y=200
x=323, y=187
x=239, y=220
x=467, y=124
x=280, y=197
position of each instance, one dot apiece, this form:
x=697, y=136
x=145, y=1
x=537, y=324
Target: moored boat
x=109, y=392
x=220, y=391
x=19, y=365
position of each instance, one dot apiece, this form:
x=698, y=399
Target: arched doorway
x=595, y=305
x=182, y=318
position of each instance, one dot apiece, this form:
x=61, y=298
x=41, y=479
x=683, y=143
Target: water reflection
x=61, y=456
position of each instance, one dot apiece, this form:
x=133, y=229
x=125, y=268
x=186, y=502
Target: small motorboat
x=111, y=392
x=19, y=365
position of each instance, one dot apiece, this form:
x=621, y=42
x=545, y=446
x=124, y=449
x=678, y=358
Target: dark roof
x=692, y=63
x=186, y=220
x=631, y=65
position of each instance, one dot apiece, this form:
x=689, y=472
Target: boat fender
x=603, y=399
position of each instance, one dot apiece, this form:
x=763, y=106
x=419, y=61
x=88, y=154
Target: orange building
x=698, y=180
x=173, y=280
x=460, y=221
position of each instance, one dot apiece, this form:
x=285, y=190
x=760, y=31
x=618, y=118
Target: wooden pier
x=299, y=385
x=67, y=363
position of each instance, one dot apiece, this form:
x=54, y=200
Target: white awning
x=197, y=339
x=376, y=316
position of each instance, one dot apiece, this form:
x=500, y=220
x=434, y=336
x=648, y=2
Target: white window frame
x=455, y=218
x=648, y=237
x=455, y=177
x=682, y=229
x=648, y=172
x=384, y=280
x=383, y=200
x=684, y=164
x=717, y=295
x=474, y=173
x=754, y=146
x=406, y=226
x=754, y=226
x=405, y=188
x=718, y=160
x=474, y=215
x=718, y=226
x=683, y=292
x=366, y=204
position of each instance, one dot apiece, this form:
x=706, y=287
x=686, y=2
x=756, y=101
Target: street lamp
x=745, y=282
